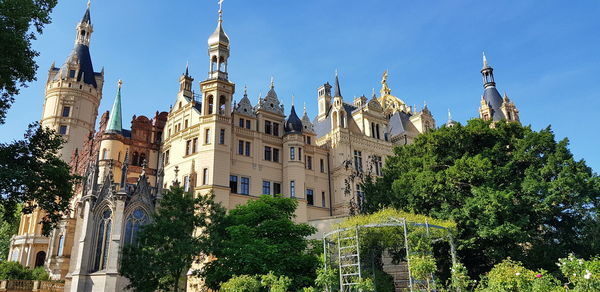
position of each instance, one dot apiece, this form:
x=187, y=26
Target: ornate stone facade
x=238, y=151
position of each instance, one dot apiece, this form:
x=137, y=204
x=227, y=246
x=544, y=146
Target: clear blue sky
x=546, y=55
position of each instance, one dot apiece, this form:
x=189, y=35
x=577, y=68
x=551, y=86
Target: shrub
x=274, y=283
x=511, y=276
x=14, y=271
x=40, y=274
x=243, y=283
x=582, y=275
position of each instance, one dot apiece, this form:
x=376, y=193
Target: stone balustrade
x=30, y=285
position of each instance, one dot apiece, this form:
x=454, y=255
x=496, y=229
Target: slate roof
x=86, y=73
x=293, y=124
x=493, y=98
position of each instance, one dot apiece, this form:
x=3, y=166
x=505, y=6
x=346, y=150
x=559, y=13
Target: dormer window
x=71, y=74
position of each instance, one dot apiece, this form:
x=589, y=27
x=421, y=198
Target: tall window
x=276, y=188
x=360, y=195
x=248, y=126
x=292, y=189
x=241, y=147
x=207, y=136
x=267, y=127
x=245, y=189
x=299, y=153
x=309, y=162
x=292, y=153
x=247, y=148
x=61, y=245
x=66, y=111
x=233, y=183
x=266, y=187
x=268, y=153
x=276, y=129
x=62, y=130
x=222, y=137
x=188, y=147
x=205, y=176
x=275, y=155
x=166, y=157
x=241, y=123
x=377, y=131
x=310, y=198
x=358, y=161
x=104, y=153
x=186, y=183
x=103, y=240
x=195, y=145
x=378, y=165
x=135, y=220
x=308, y=140
x=323, y=199
x=322, y=165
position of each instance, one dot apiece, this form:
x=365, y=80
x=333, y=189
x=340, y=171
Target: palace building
x=207, y=143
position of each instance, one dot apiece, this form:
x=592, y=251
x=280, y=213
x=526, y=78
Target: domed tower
x=73, y=92
x=493, y=106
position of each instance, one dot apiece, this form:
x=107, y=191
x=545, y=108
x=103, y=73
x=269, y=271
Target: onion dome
x=293, y=124
x=219, y=36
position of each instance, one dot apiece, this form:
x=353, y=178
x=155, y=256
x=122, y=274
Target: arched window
x=104, y=153
x=221, y=63
x=222, y=101
x=335, y=120
x=210, y=104
x=135, y=158
x=103, y=240
x=213, y=62
x=61, y=245
x=136, y=219
x=40, y=258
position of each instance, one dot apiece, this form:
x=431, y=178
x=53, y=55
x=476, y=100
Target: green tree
x=260, y=237
x=167, y=247
x=512, y=191
x=17, y=65
x=33, y=175
x=8, y=227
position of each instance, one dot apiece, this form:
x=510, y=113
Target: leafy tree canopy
x=167, y=247
x=32, y=173
x=17, y=65
x=512, y=191
x=260, y=237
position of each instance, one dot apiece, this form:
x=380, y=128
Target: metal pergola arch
x=349, y=262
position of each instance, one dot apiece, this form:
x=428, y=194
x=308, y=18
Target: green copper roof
x=115, y=123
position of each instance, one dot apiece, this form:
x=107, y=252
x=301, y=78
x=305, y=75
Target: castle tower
x=215, y=126
x=493, y=106
x=73, y=92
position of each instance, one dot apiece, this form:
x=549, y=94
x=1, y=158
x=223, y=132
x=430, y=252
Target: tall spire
x=485, y=62
x=115, y=123
x=337, y=91
x=86, y=16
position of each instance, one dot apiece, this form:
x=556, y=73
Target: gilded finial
x=449, y=115
x=272, y=82
x=305, y=107
x=120, y=83
x=292, y=100
x=89, y=3
x=245, y=90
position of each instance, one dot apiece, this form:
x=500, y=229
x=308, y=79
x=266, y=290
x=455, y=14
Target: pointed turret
x=293, y=124
x=337, y=92
x=491, y=95
x=115, y=123
x=86, y=16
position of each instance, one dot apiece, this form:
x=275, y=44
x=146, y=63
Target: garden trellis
x=342, y=248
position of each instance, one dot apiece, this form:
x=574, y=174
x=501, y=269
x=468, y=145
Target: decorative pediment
x=142, y=193
x=244, y=107
x=374, y=105
x=271, y=103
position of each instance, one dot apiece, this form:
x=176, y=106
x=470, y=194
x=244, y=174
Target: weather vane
x=220, y=4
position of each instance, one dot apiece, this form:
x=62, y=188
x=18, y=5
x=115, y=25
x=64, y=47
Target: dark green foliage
x=261, y=237
x=168, y=245
x=14, y=271
x=20, y=20
x=513, y=192
x=32, y=174
x=9, y=226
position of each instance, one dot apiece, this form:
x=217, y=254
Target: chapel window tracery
x=134, y=221
x=103, y=240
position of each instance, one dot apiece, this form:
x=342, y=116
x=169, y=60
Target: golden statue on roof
x=390, y=103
